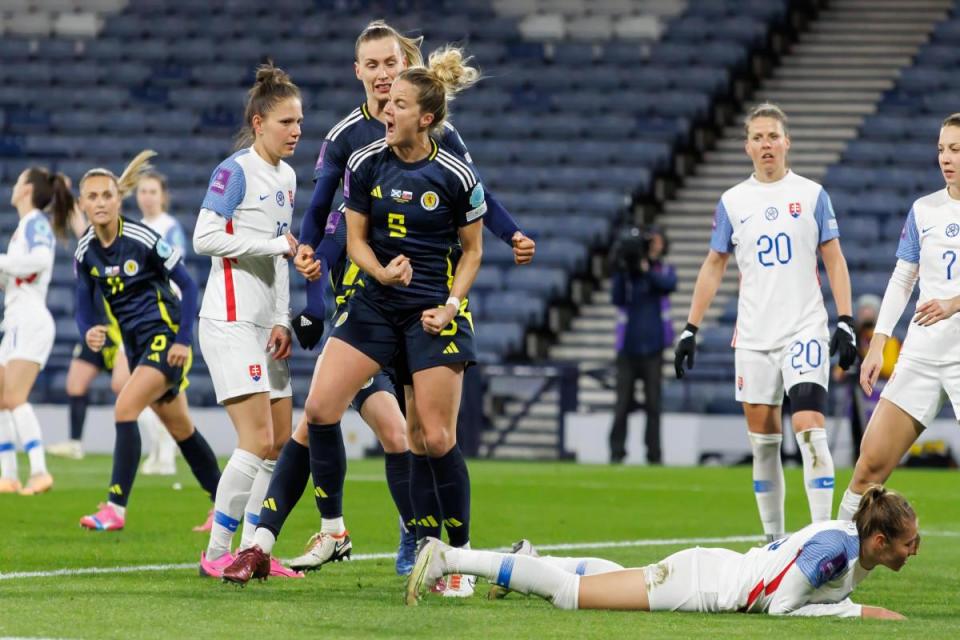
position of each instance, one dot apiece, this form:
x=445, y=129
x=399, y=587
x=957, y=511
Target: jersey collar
x=365, y=111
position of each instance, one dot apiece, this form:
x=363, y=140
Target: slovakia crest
x=255, y=372
x=795, y=209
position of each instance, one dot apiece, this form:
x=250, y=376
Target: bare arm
x=838, y=275
x=708, y=281
x=471, y=239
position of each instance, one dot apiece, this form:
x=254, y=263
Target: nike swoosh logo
x=262, y=198
x=927, y=229
x=803, y=373
x=742, y=220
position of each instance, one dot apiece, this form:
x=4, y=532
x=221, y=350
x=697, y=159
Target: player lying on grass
x=809, y=573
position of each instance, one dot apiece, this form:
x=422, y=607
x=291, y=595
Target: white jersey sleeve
x=775, y=230
x=27, y=266
x=793, y=599
x=282, y=314
x=244, y=216
x=931, y=240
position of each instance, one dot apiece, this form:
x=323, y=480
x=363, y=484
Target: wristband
x=692, y=328
x=455, y=301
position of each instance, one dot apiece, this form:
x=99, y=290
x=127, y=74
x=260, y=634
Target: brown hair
x=272, y=85
x=379, y=29
x=153, y=174
x=127, y=181
x=883, y=511
x=51, y=191
x=765, y=110
x=953, y=120
x=446, y=74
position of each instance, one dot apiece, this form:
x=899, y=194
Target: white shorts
x=920, y=388
x=763, y=376
x=695, y=579
x=30, y=340
x=236, y=355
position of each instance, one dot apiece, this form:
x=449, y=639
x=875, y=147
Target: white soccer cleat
x=521, y=548
x=321, y=549
x=154, y=466
x=71, y=449
x=427, y=571
x=458, y=585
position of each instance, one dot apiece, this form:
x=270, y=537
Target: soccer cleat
x=252, y=562
x=214, y=568
x=458, y=585
x=427, y=570
x=520, y=548
x=321, y=549
x=37, y=484
x=71, y=449
x=207, y=525
x=406, y=551
x=105, y=519
x=154, y=466
x=10, y=485
x=277, y=570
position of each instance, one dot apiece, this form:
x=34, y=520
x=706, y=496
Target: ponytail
x=447, y=73
x=51, y=191
x=127, y=181
x=883, y=511
x=272, y=85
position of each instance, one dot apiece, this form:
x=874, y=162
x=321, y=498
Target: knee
x=11, y=399
x=869, y=470
x=394, y=440
x=320, y=411
x=123, y=412
x=116, y=386
x=438, y=442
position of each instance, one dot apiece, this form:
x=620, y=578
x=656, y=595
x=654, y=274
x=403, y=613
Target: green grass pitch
x=548, y=503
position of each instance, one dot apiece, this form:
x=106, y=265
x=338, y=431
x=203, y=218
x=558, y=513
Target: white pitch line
x=360, y=557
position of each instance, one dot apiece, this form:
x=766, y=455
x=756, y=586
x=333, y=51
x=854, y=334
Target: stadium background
x=592, y=115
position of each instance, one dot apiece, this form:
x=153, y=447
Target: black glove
x=844, y=342
x=309, y=330
x=686, y=348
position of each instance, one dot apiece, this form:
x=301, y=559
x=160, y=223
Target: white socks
x=524, y=574
x=232, y=495
x=258, y=492
x=583, y=566
x=849, y=504
x=817, y=472
x=768, y=481
x=8, y=451
x=28, y=431
x=333, y=526
x=264, y=539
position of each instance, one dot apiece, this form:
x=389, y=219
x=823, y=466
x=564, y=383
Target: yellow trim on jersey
x=436, y=149
x=166, y=314
x=120, y=226
x=450, y=272
x=364, y=111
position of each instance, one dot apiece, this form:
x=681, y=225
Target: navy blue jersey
x=344, y=275
x=415, y=209
x=133, y=275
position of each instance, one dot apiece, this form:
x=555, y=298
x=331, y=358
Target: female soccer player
x=25, y=271
x=809, y=573
x=381, y=53
x=776, y=222
x=153, y=200
x=243, y=225
x=928, y=370
x=406, y=195
x=132, y=267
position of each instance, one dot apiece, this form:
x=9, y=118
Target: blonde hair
x=953, y=120
x=127, y=181
x=447, y=73
x=379, y=29
x=883, y=511
x=271, y=86
x=765, y=110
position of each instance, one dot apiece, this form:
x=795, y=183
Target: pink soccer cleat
x=214, y=568
x=105, y=519
x=277, y=570
x=207, y=525
x=10, y=485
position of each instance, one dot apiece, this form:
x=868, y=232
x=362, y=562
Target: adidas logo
x=305, y=322
x=451, y=349
x=376, y=192
x=270, y=503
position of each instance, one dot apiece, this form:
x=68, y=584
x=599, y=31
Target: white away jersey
x=27, y=267
x=774, y=230
x=256, y=199
x=810, y=572
x=931, y=239
x=170, y=230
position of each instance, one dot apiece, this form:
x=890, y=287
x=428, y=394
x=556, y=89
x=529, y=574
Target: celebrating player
x=809, y=573
x=25, y=271
x=776, y=222
x=381, y=53
x=243, y=225
x=133, y=267
x=409, y=303
x=928, y=370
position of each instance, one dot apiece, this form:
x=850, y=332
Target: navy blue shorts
x=382, y=381
x=103, y=359
x=385, y=335
x=150, y=349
